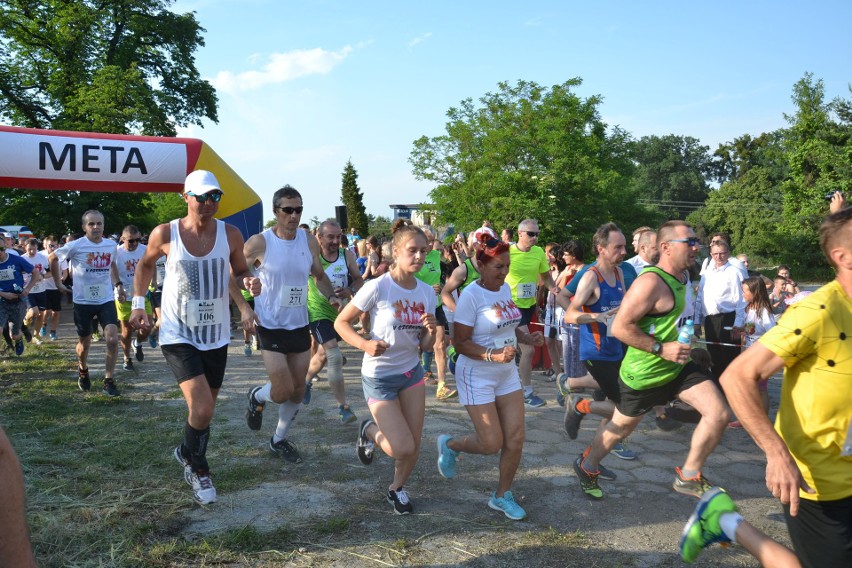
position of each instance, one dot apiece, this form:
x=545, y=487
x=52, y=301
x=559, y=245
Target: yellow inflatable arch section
x=87, y=161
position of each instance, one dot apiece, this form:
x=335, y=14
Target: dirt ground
x=638, y=523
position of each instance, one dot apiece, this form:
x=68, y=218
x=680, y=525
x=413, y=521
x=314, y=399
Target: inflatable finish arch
x=84, y=161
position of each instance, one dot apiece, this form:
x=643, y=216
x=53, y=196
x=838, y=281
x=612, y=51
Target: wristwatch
x=656, y=348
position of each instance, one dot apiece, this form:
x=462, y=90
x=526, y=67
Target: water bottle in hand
x=686, y=332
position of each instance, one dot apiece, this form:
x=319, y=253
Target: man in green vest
x=340, y=267
x=657, y=368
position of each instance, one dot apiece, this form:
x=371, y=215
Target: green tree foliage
x=378, y=225
x=734, y=159
x=671, y=173
x=353, y=199
x=526, y=151
x=748, y=209
x=119, y=67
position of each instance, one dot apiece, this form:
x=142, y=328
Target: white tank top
x=195, y=294
x=284, y=273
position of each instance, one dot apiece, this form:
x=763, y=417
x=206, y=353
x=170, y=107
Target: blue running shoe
x=446, y=457
x=622, y=451
x=506, y=505
x=534, y=400
x=19, y=347
x=345, y=414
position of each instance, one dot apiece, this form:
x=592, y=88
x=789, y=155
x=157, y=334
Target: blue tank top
x=594, y=343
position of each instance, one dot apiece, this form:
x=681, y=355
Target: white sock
x=528, y=390
x=263, y=394
x=287, y=412
x=729, y=522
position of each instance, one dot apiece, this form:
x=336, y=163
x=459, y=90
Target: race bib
x=294, y=296
x=510, y=341
x=203, y=312
x=161, y=273
x=847, y=445
x=7, y=274
x=338, y=280
x=526, y=290
x=95, y=293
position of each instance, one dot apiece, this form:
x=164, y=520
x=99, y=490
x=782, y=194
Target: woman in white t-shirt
x=402, y=312
x=487, y=337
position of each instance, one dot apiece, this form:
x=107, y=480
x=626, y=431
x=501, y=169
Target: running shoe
x=83, y=380
x=445, y=393
x=400, y=501
x=620, y=450
x=307, y=398
x=27, y=334
x=533, y=400
x=178, y=453
x=247, y=349
x=128, y=365
x=110, y=389
x=53, y=336
x=695, y=486
x=345, y=414
x=202, y=486
x=36, y=341
x=285, y=449
x=152, y=341
x=551, y=375
x=446, y=457
x=506, y=505
x=588, y=480
x=254, y=414
x=605, y=473
x=666, y=424
x=365, y=446
x=43, y=331
x=429, y=378
x=563, y=388
x=96, y=337
x=139, y=355
x=573, y=417
x=19, y=347
x=702, y=529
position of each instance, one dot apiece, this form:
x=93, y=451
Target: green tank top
x=472, y=275
x=641, y=370
x=338, y=273
x=431, y=272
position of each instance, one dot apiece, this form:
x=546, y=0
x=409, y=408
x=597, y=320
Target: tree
x=526, y=151
x=353, y=199
x=378, y=225
x=672, y=172
x=732, y=160
x=120, y=67
x=818, y=148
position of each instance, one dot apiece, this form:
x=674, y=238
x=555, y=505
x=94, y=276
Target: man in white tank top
x=195, y=331
x=284, y=257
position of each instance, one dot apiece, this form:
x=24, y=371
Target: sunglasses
x=691, y=241
x=134, y=241
x=52, y=245
x=532, y=233
x=491, y=243
x=213, y=196
x=290, y=210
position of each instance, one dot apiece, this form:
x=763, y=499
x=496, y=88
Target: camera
x=830, y=194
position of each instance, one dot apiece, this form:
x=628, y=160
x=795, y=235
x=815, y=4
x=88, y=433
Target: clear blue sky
x=306, y=85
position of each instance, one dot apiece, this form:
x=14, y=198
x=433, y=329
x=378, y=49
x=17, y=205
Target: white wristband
x=138, y=303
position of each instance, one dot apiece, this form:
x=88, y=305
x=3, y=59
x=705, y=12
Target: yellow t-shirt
x=814, y=338
x=524, y=270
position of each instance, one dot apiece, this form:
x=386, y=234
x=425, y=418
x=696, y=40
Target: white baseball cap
x=200, y=182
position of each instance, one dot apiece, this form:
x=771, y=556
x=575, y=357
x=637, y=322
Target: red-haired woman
x=486, y=337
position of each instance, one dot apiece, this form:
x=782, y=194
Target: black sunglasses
x=690, y=242
x=290, y=210
x=213, y=196
x=491, y=243
x=532, y=233
x=131, y=241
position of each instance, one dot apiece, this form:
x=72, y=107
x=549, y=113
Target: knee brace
x=334, y=359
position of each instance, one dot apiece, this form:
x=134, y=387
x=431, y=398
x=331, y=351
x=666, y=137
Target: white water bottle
x=686, y=332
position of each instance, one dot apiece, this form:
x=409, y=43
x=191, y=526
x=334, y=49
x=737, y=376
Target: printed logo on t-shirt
x=506, y=313
x=407, y=312
x=130, y=266
x=99, y=260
